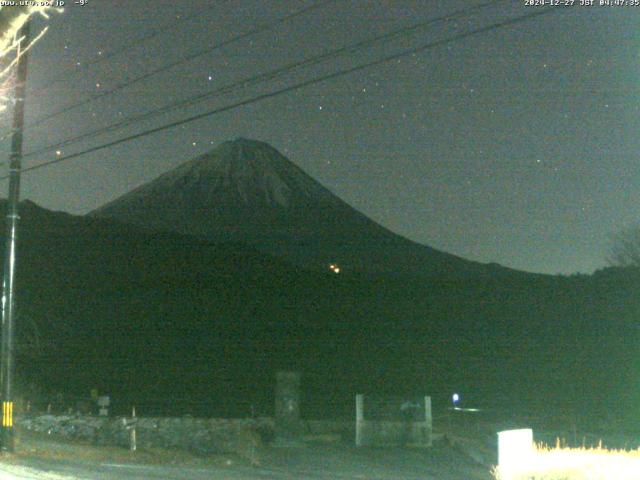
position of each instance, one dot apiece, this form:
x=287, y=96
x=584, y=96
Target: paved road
x=310, y=462
x=69, y=471
x=49, y=470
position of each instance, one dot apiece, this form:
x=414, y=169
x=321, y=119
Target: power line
x=164, y=28
x=294, y=87
x=188, y=58
x=271, y=75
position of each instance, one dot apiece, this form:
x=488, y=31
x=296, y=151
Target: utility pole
x=8, y=283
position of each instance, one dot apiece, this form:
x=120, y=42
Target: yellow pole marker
x=7, y=414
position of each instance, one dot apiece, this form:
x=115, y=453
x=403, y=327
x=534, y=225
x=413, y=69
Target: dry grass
x=556, y=463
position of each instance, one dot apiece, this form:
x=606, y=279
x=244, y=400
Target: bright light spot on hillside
x=334, y=267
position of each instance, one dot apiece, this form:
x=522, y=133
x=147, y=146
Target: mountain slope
x=175, y=324
x=247, y=191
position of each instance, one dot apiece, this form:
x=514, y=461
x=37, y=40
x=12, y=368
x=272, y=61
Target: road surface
x=314, y=462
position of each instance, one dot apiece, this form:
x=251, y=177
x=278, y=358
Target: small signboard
x=104, y=402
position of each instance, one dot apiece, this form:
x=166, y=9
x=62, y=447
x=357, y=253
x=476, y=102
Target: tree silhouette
x=625, y=248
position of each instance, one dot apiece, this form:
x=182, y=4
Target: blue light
x=455, y=398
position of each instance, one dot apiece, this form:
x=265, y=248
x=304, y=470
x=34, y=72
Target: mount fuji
x=246, y=191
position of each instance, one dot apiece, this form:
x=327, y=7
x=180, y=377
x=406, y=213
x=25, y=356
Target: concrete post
x=133, y=441
x=359, y=418
x=288, y=423
x=428, y=419
x=515, y=451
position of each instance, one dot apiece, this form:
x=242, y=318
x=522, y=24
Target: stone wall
x=345, y=429
x=197, y=435
x=390, y=433
x=242, y=436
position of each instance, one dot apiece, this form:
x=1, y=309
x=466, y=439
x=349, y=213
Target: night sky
x=517, y=145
